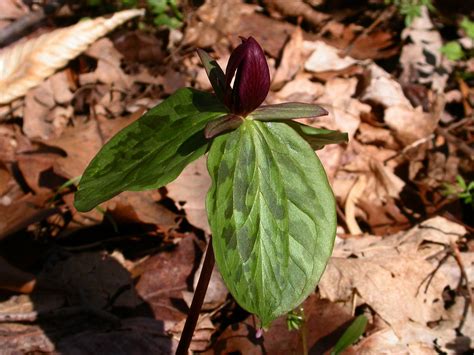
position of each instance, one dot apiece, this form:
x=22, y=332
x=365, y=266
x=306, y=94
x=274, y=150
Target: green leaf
x=222, y=125
x=272, y=215
x=152, y=151
x=468, y=26
x=318, y=137
x=287, y=111
x=157, y=6
x=461, y=182
x=351, y=335
x=165, y=20
x=452, y=50
x=214, y=72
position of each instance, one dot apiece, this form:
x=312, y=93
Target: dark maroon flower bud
x=252, y=78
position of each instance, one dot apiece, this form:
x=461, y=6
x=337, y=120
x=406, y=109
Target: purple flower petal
x=252, y=78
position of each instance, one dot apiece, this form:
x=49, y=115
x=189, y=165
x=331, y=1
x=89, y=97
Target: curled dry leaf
x=291, y=60
x=27, y=64
x=326, y=58
x=349, y=208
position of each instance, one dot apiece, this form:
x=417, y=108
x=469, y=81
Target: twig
x=19, y=27
x=431, y=275
x=457, y=257
x=198, y=299
x=384, y=15
x=410, y=147
x=459, y=123
x=456, y=141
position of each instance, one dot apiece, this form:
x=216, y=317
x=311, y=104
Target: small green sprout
x=462, y=190
x=295, y=319
x=411, y=9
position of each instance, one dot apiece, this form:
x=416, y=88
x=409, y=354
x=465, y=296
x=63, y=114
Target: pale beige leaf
x=291, y=60
x=190, y=189
x=27, y=64
x=407, y=260
x=326, y=58
x=350, y=209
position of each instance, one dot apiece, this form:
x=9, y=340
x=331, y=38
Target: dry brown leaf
x=421, y=58
x=385, y=183
x=165, y=276
x=27, y=64
x=23, y=212
x=326, y=58
x=344, y=110
x=189, y=190
x=202, y=334
x=369, y=134
x=410, y=125
x=270, y=33
x=11, y=10
x=385, y=341
x=216, y=293
x=14, y=279
x=79, y=154
x=108, y=69
x=383, y=89
x=331, y=156
x=300, y=89
x=290, y=62
x=32, y=166
x=6, y=181
x=383, y=217
x=391, y=276
x=213, y=20
x=324, y=322
x=141, y=207
x=357, y=42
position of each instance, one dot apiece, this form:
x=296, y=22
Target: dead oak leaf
x=80, y=143
x=390, y=274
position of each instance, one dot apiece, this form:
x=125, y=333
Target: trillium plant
x=270, y=207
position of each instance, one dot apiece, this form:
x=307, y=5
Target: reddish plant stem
x=198, y=299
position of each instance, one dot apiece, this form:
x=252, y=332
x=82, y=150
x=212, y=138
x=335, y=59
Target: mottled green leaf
x=272, y=215
x=214, y=72
x=222, y=125
x=287, y=111
x=318, y=137
x=351, y=335
x=152, y=151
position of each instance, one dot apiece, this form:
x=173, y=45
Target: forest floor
x=120, y=279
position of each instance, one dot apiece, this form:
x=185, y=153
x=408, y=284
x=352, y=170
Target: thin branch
x=198, y=300
x=462, y=146
x=457, y=257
